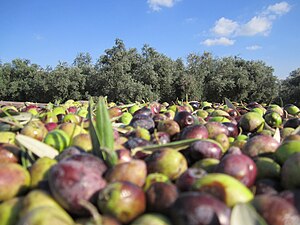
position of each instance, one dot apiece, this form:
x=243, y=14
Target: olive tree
x=199, y=69
x=290, y=91
x=240, y=80
x=116, y=77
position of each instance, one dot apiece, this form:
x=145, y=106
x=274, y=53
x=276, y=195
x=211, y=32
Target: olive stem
x=92, y=210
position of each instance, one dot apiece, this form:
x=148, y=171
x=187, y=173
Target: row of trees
x=127, y=75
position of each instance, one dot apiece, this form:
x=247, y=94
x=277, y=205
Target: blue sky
x=46, y=31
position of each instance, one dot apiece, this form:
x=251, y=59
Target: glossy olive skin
x=155, y=107
x=260, y=144
x=233, y=129
x=204, y=149
x=70, y=151
x=159, y=117
x=151, y=219
x=171, y=127
x=166, y=161
x=195, y=104
x=216, y=128
x=143, y=111
x=276, y=210
x=292, y=122
x=290, y=172
x=136, y=142
x=239, y=166
x=160, y=196
x=160, y=137
x=184, y=118
x=9, y=153
x=14, y=180
x=251, y=122
x=74, y=178
x=187, y=179
x=35, y=129
x=144, y=121
x=195, y=208
x=194, y=131
x=134, y=171
x=123, y=200
x=114, y=112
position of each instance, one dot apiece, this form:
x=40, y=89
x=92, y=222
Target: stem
x=92, y=210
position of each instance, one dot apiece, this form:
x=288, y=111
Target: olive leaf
x=94, y=136
x=22, y=116
x=37, y=147
x=8, y=111
x=276, y=135
x=16, y=120
x=230, y=105
x=104, y=126
x=102, y=133
x=244, y=213
x=175, y=145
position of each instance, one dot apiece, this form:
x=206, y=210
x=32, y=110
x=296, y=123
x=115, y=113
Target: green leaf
x=94, y=136
x=105, y=132
x=176, y=145
x=104, y=126
x=17, y=120
x=8, y=112
x=37, y=147
x=23, y=116
x=244, y=213
x=230, y=105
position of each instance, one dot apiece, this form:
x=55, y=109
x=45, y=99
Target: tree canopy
x=291, y=88
x=127, y=75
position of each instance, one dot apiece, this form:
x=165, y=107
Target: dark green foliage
x=290, y=92
x=241, y=80
x=117, y=76
x=126, y=75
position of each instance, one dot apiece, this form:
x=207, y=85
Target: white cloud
x=253, y=47
x=218, y=41
x=225, y=27
x=257, y=25
x=279, y=8
x=260, y=24
x=156, y=5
